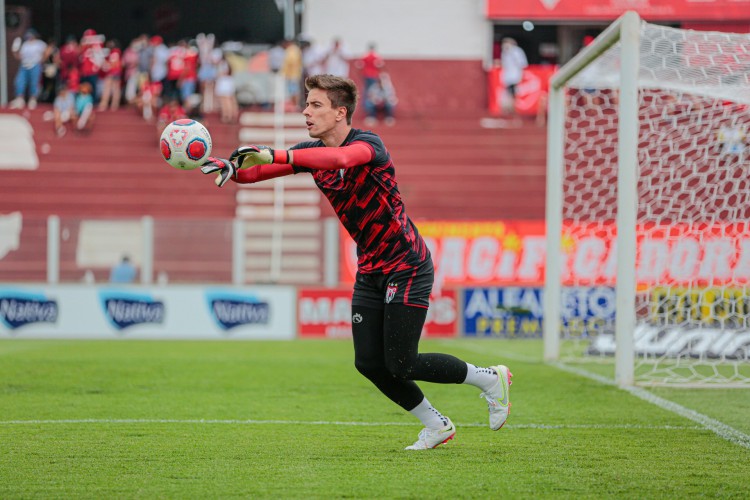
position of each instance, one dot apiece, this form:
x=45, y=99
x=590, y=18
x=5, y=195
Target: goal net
x=649, y=197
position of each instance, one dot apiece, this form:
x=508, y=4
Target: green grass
x=216, y=420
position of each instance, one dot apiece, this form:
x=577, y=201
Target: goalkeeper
x=395, y=275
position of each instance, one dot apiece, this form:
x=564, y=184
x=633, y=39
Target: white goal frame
x=625, y=30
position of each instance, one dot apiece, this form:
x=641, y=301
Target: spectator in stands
x=64, y=109
x=132, y=71
x=209, y=57
x=276, y=57
x=85, y=107
x=292, y=71
x=513, y=61
x=112, y=77
x=226, y=92
x=123, y=272
x=169, y=112
x=50, y=72
x=371, y=64
x=313, y=57
x=92, y=59
x=337, y=59
x=159, y=61
x=189, y=80
x=72, y=79
x=175, y=69
x=30, y=51
x=380, y=99
x=395, y=275
x=69, y=55
x=732, y=139
x=148, y=97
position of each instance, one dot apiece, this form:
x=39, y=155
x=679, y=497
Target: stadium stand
x=448, y=167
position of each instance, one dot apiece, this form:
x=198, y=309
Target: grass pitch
x=127, y=419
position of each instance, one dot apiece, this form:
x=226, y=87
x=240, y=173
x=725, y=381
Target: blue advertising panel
x=517, y=312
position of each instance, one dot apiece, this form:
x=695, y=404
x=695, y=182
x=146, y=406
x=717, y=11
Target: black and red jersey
x=367, y=201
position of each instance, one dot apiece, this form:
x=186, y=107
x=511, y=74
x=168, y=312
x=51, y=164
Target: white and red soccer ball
x=185, y=144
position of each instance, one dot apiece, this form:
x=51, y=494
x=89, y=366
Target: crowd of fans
x=185, y=78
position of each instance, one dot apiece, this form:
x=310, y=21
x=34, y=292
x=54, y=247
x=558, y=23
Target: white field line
x=134, y=421
x=717, y=427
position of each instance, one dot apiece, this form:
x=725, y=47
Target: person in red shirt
x=169, y=112
x=73, y=78
x=175, y=69
x=112, y=77
x=356, y=173
x=189, y=79
x=92, y=58
x=371, y=64
x=69, y=55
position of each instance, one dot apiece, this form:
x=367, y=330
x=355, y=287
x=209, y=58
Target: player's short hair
x=341, y=91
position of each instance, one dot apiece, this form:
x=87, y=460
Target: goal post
x=625, y=30
x=638, y=125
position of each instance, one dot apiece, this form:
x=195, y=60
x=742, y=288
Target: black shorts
x=411, y=287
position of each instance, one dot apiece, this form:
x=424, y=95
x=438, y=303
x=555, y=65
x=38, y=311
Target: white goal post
x=647, y=168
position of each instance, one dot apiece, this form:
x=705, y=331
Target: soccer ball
x=185, y=144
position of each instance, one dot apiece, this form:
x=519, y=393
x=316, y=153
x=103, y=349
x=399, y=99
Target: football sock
x=429, y=416
x=484, y=378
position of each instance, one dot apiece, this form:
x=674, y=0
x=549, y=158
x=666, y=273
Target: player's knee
x=369, y=368
x=401, y=368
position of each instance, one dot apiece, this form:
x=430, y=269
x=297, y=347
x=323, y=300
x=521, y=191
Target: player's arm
x=226, y=169
x=352, y=155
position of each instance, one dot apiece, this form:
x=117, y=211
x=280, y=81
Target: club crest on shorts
x=390, y=292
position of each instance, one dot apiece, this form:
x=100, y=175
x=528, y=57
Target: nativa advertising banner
x=173, y=312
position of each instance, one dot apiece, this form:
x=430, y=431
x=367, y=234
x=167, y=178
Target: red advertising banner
x=609, y=10
x=471, y=252
x=530, y=93
x=323, y=312
x=513, y=253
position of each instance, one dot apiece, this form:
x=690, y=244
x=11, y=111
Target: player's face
x=320, y=115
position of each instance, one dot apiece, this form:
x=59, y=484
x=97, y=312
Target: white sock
x=484, y=378
x=429, y=416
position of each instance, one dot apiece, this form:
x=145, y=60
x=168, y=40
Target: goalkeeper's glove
x=225, y=168
x=248, y=156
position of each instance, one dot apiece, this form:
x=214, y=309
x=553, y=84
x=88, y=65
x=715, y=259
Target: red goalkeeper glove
x=225, y=169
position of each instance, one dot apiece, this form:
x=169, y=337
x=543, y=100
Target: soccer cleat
x=432, y=438
x=498, y=397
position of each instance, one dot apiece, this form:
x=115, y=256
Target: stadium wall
x=417, y=29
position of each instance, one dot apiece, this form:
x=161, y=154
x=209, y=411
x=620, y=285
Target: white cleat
x=432, y=438
x=498, y=397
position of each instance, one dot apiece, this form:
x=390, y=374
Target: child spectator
x=85, y=107
x=64, y=109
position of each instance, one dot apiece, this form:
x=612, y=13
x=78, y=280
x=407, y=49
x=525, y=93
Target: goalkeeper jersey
x=367, y=201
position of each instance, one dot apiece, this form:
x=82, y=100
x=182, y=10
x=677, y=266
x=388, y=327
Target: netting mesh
x=693, y=203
